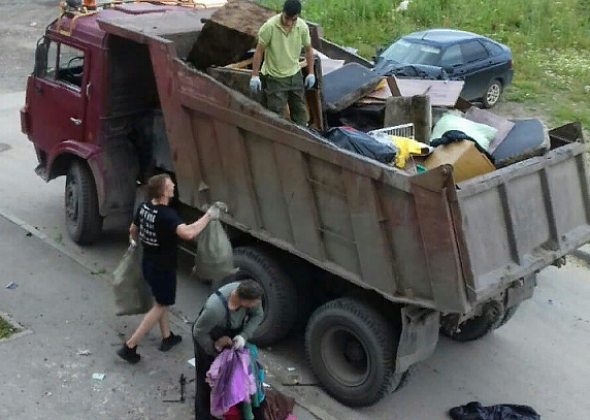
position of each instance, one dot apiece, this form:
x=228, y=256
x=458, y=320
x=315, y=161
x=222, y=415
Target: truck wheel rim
x=345, y=357
x=493, y=94
x=71, y=201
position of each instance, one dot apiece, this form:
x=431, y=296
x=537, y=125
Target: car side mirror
x=41, y=59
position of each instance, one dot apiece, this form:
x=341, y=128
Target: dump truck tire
x=83, y=220
x=477, y=327
x=351, y=349
x=280, y=295
x=508, y=315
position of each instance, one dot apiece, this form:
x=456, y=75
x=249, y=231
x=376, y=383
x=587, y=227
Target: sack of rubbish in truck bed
x=214, y=260
x=132, y=293
x=358, y=142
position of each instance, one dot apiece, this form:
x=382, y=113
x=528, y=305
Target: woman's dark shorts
x=161, y=281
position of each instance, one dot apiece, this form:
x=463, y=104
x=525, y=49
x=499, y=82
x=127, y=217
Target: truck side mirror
x=41, y=58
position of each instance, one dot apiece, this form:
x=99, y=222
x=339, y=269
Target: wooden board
x=441, y=92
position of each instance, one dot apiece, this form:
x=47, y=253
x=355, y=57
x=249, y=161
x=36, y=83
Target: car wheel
x=493, y=93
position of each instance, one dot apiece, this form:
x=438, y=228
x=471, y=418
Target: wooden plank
x=236, y=166
x=441, y=92
x=300, y=201
x=373, y=248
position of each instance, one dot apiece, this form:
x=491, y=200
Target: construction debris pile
x=412, y=124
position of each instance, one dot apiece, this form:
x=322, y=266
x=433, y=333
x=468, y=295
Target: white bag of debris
x=214, y=260
x=132, y=293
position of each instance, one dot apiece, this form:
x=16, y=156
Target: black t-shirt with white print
x=157, y=232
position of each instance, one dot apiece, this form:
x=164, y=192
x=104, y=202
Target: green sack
x=132, y=293
x=214, y=260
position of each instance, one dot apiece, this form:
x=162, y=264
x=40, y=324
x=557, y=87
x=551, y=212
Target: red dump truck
x=374, y=260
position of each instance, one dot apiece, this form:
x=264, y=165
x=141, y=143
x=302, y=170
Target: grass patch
x=550, y=40
x=6, y=328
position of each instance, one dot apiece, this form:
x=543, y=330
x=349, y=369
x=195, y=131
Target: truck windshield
x=408, y=52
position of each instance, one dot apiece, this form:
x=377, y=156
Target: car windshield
x=407, y=52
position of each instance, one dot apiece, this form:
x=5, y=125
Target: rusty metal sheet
x=178, y=128
x=301, y=204
x=215, y=185
x=269, y=191
x=373, y=248
x=539, y=210
x=236, y=166
x=435, y=217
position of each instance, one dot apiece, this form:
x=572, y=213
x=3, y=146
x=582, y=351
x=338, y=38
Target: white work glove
x=255, y=84
x=213, y=212
x=309, y=81
x=239, y=342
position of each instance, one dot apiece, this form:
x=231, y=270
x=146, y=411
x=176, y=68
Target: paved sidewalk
x=68, y=311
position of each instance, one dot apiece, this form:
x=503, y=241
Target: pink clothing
x=231, y=380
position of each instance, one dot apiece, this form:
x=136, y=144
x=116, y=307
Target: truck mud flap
x=418, y=338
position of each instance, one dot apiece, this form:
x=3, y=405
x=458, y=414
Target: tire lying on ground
x=351, y=349
x=83, y=220
x=280, y=296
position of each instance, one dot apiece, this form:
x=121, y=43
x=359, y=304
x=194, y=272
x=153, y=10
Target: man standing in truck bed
x=280, y=40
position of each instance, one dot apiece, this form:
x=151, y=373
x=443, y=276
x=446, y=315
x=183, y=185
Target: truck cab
x=90, y=111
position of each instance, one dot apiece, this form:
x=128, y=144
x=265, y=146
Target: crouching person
x=230, y=315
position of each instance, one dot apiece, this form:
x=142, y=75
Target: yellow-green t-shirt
x=281, y=49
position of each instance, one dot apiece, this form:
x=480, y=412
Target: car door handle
x=76, y=121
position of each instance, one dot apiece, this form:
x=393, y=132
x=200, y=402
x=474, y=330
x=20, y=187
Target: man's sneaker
x=129, y=354
x=170, y=341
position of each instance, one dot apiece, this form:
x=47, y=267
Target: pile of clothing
x=236, y=378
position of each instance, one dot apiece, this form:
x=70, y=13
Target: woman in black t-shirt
x=158, y=227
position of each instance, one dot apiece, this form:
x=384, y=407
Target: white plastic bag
x=132, y=293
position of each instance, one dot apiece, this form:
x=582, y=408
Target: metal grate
x=404, y=130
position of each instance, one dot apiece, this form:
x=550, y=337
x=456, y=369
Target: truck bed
x=413, y=239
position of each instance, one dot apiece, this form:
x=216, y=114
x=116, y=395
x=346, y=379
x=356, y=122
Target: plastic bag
x=481, y=133
x=231, y=380
x=132, y=293
x=358, y=142
x=214, y=260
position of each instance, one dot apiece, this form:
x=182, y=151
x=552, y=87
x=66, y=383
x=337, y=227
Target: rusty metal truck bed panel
x=413, y=239
x=521, y=218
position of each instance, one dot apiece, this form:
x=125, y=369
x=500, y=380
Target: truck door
x=57, y=97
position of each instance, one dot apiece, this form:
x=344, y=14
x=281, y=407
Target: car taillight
x=509, y=64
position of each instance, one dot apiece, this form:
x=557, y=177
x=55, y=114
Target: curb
x=174, y=317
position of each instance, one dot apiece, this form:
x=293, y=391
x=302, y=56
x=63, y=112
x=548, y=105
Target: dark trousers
x=280, y=92
x=203, y=395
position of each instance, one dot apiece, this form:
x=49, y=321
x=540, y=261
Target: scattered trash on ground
x=11, y=286
x=192, y=362
x=291, y=369
x=84, y=353
x=98, y=376
x=182, y=390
